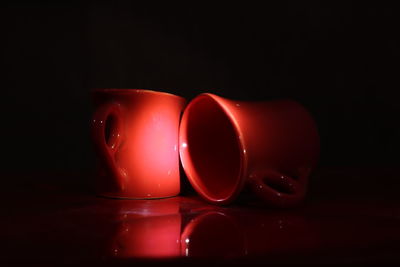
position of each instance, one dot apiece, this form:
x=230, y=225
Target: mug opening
x=211, y=151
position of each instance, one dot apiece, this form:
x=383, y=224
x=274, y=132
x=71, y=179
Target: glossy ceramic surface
x=271, y=146
x=135, y=133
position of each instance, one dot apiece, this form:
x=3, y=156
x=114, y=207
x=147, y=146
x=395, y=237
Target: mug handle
x=277, y=189
x=107, y=148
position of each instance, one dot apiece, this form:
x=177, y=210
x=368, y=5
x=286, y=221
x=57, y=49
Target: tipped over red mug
x=271, y=146
x=135, y=134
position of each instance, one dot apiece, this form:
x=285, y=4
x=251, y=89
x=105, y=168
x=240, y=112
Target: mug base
x=134, y=198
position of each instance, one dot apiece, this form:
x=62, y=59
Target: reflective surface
x=272, y=146
x=48, y=224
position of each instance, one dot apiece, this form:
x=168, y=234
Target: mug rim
x=133, y=90
x=239, y=184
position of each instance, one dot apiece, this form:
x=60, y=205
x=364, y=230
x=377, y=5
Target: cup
x=271, y=146
x=135, y=134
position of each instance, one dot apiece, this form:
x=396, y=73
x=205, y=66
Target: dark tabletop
x=49, y=222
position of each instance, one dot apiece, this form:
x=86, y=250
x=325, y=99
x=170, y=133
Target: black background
x=340, y=60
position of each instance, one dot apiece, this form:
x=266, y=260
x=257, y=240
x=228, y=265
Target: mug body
x=272, y=146
x=135, y=133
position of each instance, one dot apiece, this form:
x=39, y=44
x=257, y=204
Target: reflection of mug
x=146, y=229
x=218, y=234
x=136, y=138
x=272, y=145
x=212, y=235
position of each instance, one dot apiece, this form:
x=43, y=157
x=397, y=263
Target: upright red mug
x=272, y=146
x=135, y=134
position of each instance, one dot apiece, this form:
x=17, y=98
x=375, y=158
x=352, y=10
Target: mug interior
x=210, y=149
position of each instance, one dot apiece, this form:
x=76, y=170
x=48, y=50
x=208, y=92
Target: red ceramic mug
x=135, y=134
x=272, y=146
